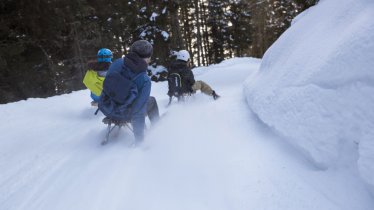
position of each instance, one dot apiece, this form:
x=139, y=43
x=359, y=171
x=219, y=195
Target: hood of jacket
x=178, y=66
x=135, y=63
x=96, y=66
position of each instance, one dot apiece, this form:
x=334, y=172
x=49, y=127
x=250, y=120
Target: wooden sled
x=112, y=124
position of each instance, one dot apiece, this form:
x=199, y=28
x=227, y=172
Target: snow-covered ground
x=315, y=86
x=203, y=154
x=300, y=135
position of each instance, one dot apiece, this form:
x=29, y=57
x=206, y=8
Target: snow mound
x=202, y=154
x=230, y=70
x=315, y=85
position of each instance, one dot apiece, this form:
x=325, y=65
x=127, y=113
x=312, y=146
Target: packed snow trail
x=204, y=154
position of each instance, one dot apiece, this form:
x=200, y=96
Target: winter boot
x=215, y=96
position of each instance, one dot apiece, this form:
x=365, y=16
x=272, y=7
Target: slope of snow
x=315, y=85
x=203, y=154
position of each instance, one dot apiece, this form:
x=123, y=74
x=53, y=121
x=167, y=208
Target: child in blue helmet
x=96, y=73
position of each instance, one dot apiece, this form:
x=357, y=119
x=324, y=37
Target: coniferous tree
x=45, y=44
x=239, y=28
x=177, y=42
x=218, y=29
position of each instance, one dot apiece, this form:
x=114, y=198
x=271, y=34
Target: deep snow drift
x=204, y=154
x=315, y=85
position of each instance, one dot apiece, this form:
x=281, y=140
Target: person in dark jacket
x=137, y=61
x=189, y=85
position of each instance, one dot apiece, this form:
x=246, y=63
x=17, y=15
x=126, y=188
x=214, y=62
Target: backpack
x=119, y=92
x=93, y=82
x=175, y=85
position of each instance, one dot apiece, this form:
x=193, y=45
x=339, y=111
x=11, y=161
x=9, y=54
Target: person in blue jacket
x=137, y=61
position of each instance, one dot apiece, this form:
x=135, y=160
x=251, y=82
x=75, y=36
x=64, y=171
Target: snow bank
x=315, y=85
x=229, y=69
x=202, y=154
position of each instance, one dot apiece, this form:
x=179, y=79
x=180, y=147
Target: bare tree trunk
x=78, y=50
x=259, y=24
x=206, y=35
x=198, y=35
x=204, y=40
x=187, y=31
x=177, y=42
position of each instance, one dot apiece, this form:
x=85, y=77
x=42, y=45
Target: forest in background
x=45, y=44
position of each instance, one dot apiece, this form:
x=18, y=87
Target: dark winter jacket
x=185, y=72
x=134, y=66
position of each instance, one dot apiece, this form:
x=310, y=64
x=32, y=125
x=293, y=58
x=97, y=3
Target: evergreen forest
x=45, y=44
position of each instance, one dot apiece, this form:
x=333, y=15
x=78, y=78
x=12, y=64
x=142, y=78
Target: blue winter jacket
x=133, y=65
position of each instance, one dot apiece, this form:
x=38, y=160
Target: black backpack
x=175, y=85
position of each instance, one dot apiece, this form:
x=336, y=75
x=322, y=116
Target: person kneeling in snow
x=188, y=84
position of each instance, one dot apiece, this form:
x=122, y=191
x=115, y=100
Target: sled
x=112, y=124
x=180, y=98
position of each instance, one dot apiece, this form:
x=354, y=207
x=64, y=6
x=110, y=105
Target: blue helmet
x=104, y=55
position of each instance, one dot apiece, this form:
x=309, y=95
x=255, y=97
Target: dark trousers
x=152, y=110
